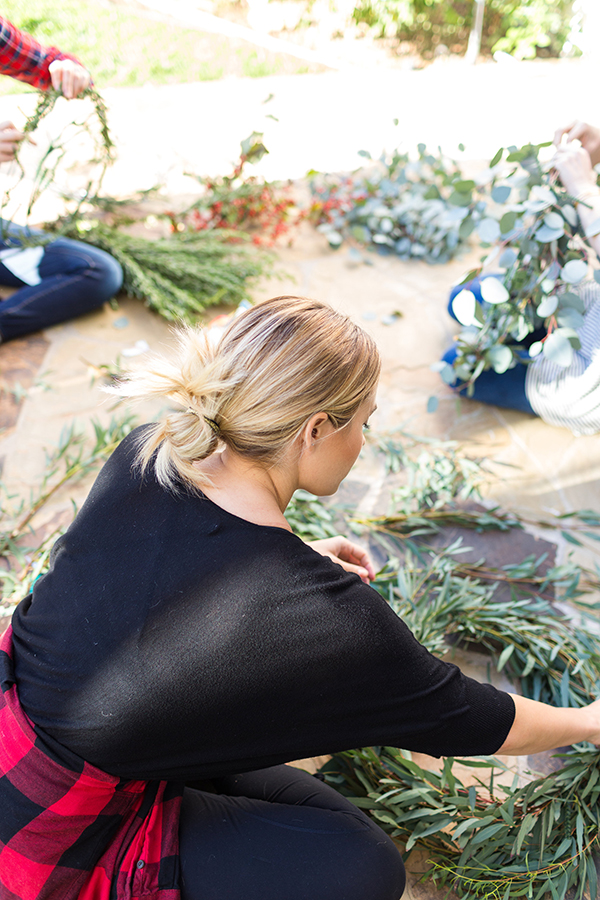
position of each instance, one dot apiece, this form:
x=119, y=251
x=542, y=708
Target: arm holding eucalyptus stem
x=588, y=135
x=538, y=727
x=574, y=166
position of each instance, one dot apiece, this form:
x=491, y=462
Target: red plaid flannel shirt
x=22, y=57
x=67, y=834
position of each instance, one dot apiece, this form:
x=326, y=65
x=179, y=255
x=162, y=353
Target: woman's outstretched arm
x=539, y=727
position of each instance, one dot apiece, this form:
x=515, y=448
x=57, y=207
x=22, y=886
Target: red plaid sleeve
x=70, y=830
x=22, y=57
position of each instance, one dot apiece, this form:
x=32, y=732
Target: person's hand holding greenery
x=70, y=77
x=578, y=148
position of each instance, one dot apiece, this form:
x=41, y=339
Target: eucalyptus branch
x=486, y=840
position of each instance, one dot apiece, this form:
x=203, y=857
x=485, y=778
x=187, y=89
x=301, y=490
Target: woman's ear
x=316, y=428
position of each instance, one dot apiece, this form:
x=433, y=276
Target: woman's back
x=211, y=645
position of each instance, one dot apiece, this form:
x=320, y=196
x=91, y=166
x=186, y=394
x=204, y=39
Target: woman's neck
x=246, y=489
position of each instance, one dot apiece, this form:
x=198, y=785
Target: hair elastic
x=213, y=425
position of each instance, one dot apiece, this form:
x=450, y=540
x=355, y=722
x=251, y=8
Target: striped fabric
x=570, y=397
x=69, y=830
x=24, y=58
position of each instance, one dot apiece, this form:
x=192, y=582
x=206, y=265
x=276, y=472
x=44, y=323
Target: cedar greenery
x=180, y=276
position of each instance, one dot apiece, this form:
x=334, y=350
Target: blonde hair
x=276, y=365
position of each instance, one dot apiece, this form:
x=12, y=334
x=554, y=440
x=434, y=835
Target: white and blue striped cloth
x=570, y=397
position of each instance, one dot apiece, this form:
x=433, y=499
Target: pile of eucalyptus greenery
x=486, y=839
x=421, y=208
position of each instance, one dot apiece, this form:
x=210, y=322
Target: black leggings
x=281, y=834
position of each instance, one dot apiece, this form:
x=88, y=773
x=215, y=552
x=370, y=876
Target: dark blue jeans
x=281, y=834
x=75, y=278
x=506, y=390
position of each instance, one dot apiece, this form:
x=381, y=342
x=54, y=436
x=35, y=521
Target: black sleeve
x=368, y=680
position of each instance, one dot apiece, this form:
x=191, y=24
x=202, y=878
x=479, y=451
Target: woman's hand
x=10, y=138
x=586, y=134
x=349, y=556
x=574, y=166
x=69, y=76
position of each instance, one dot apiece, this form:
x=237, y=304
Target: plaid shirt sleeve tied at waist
x=77, y=833
x=22, y=57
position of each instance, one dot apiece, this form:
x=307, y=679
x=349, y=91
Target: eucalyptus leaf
x=508, y=257
x=463, y=307
x=467, y=226
x=546, y=234
x=493, y=291
x=558, y=350
x=508, y=222
x=501, y=193
x=569, y=317
x=555, y=221
x=569, y=298
x=547, y=306
x=535, y=349
x=500, y=358
x=574, y=271
x=488, y=230
x=570, y=214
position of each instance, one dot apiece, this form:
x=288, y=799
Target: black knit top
x=172, y=639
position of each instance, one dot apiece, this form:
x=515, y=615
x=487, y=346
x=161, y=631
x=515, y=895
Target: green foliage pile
x=489, y=839
x=421, y=208
x=485, y=840
x=525, y=28
x=517, y=210
x=180, y=276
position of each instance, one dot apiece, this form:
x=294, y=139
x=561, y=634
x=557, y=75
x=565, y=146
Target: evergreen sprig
x=180, y=276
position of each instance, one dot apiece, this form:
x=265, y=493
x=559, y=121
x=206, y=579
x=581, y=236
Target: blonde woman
x=185, y=644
